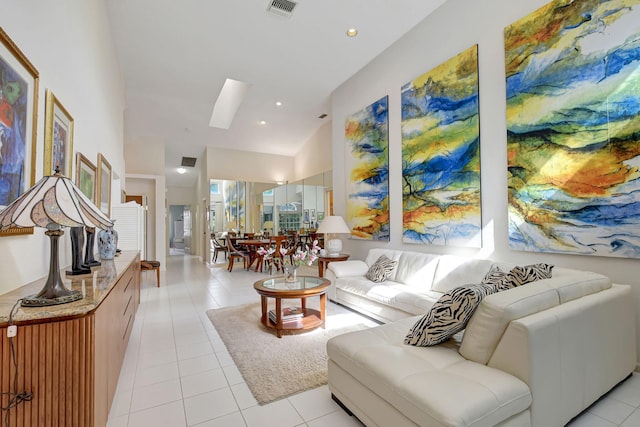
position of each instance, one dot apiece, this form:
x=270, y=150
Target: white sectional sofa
x=534, y=355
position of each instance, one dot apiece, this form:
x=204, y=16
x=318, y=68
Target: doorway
x=180, y=228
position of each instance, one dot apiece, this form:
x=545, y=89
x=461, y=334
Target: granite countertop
x=94, y=287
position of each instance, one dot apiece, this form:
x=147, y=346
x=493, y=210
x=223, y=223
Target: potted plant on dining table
x=291, y=261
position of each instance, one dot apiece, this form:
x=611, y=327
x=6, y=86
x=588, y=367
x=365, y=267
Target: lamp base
x=36, y=301
x=333, y=247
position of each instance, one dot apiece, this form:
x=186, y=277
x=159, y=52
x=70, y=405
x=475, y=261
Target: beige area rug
x=272, y=367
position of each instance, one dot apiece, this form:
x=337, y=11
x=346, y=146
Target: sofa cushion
x=429, y=385
x=448, y=316
x=417, y=269
x=454, y=271
x=398, y=295
x=381, y=269
x=490, y=320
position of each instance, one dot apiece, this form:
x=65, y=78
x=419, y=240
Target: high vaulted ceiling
x=176, y=55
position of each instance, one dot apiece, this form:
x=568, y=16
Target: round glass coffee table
x=292, y=318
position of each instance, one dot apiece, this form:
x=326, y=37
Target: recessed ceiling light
x=352, y=32
x=278, y=104
x=262, y=122
x=181, y=171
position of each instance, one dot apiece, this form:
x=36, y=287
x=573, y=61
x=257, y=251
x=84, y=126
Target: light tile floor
x=177, y=371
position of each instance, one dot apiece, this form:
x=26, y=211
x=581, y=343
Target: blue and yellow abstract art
x=441, y=155
x=367, y=163
x=573, y=128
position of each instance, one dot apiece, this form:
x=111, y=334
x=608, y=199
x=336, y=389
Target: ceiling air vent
x=281, y=7
x=188, y=161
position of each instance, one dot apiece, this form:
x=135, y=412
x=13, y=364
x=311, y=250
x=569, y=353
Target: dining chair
x=276, y=259
x=237, y=254
x=218, y=247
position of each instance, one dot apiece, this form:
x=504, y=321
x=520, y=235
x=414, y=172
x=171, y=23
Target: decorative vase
x=290, y=274
x=107, y=243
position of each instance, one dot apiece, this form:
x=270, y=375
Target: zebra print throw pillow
x=495, y=277
x=522, y=275
x=448, y=316
x=381, y=269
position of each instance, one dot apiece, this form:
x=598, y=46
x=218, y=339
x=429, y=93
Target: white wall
x=236, y=165
x=454, y=27
x=315, y=156
x=69, y=43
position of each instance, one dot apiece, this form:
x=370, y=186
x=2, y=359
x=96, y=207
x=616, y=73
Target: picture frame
x=86, y=177
x=312, y=215
x=103, y=192
x=58, y=137
x=320, y=216
x=19, y=81
x=305, y=218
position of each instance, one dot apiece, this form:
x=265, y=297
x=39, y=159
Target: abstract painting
x=441, y=155
x=573, y=128
x=234, y=204
x=18, y=116
x=367, y=163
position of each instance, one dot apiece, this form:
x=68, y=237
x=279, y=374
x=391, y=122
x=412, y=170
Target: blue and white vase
x=107, y=243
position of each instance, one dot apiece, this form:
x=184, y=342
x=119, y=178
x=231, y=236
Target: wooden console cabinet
x=69, y=356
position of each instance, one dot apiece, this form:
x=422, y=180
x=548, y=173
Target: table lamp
x=54, y=202
x=268, y=225
x=331, y=226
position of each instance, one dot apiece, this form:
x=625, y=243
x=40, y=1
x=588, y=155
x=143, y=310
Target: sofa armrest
x=348, y=268
x=572, y=353
x=338, y=269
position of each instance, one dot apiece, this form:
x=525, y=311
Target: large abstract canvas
x=441, y=155
x=367, y=163
x=573, y=126
x=234, y=192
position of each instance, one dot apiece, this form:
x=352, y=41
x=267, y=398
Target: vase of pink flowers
x=292, y=261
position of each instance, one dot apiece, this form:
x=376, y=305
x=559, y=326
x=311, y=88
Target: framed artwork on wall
x=86, y=177
x=104, y=185
x=58, y=137
x=573, y=145
x=367, y=169
x=441, y=155
x=18, y=120
x=320, y=216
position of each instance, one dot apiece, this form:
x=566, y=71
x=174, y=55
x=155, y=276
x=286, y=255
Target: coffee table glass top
x=302, y=282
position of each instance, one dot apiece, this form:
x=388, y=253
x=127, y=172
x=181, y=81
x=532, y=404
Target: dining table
x=252, y=246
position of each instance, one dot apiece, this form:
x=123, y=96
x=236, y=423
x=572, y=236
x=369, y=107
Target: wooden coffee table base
x=302, y=288
x=310, y=319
